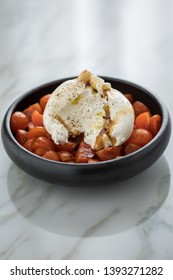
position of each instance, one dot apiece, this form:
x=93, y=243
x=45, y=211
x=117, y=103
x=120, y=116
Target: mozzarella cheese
x=89, y=106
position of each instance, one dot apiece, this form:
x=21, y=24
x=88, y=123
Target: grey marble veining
x=46, y=40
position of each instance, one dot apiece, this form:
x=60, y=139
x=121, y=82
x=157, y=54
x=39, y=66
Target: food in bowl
x=84, y=120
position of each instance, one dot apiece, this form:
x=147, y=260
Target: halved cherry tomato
x=37, y=118
x=21, y=136
x=68, y=146
x=140, y=107
x=129, y=97
x=130, y=148
x=84, y=153
x=40, y=152
x=109, y=153
x=65, y=156
x=143, y=120
x=36, y=132
x=18, y=121
x=155, y=124
x=30, y=125
x=44, y=100
x=28, y=111
x=43, y=142
x=140, y=136
x=52, y=155
x=28, y=145
x=92, y=160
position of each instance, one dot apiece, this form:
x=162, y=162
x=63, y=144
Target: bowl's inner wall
x=138, y=93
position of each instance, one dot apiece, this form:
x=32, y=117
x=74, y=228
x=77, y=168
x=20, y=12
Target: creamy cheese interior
x=89, y=106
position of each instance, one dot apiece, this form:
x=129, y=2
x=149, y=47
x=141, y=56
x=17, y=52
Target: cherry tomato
x=30, y=125
x=155, y=124
x=130, y=148
x=43, y=142
x=28, y=145
x=52, y=155
x=84, y=153
x=68, y=146
x=92, y=160
x=37, y=118
x=140, y=107
x=28, y=111
x=129, y=97
x=109, y=153
x=44, y=100
x=36, y=132
x=40, y=152
x=140, y=136
x=143, y=120
x=18, y=121
x=65, y=156
x=21, y=136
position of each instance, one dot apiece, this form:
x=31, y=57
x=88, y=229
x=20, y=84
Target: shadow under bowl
x=73, y=174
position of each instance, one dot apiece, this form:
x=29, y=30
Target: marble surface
x=46, y=40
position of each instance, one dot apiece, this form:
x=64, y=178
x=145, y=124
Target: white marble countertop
x=45, y=40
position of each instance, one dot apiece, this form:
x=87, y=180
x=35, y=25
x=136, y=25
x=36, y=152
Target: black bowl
x=88, y=174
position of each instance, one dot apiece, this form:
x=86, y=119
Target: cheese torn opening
x=88, y=106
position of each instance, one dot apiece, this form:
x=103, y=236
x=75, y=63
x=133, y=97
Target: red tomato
x=143, y=120
x=109, y=153
x=65, y=156
x=130, y=148
x=129, y=97
x=36, y=132
x=28, y=145
x=52, y=155
x=28, y=111
x=43, y=142
x=40, y=152
x=140, y=107
x=92, y=160
x=37, y=118
x=44, y=100
x=21, y=136
x=18, y=121
x=30, y=125
x=140, y=136
x=68, y=147
x=155, y=124
x=84, y=153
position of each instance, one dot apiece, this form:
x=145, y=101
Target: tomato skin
x=37, y=118
x=65, y=156
x=92, y=160
x=140, y=136
x=40, y=152
x=18, y=121
x=155, y=124
x=140, y=107
x=28, y=111
x=51, y=155
x=29, y=145
x=109, y=153
x=21, y=136
x=143, y=120
x=36, y=132
x=129, y=97
x=84, y=153
x=30, y=125
x=130, y=148
x=44, y=143
x=44, y=100
x=68, y=147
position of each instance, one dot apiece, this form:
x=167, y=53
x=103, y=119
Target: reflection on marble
x=90, y=212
